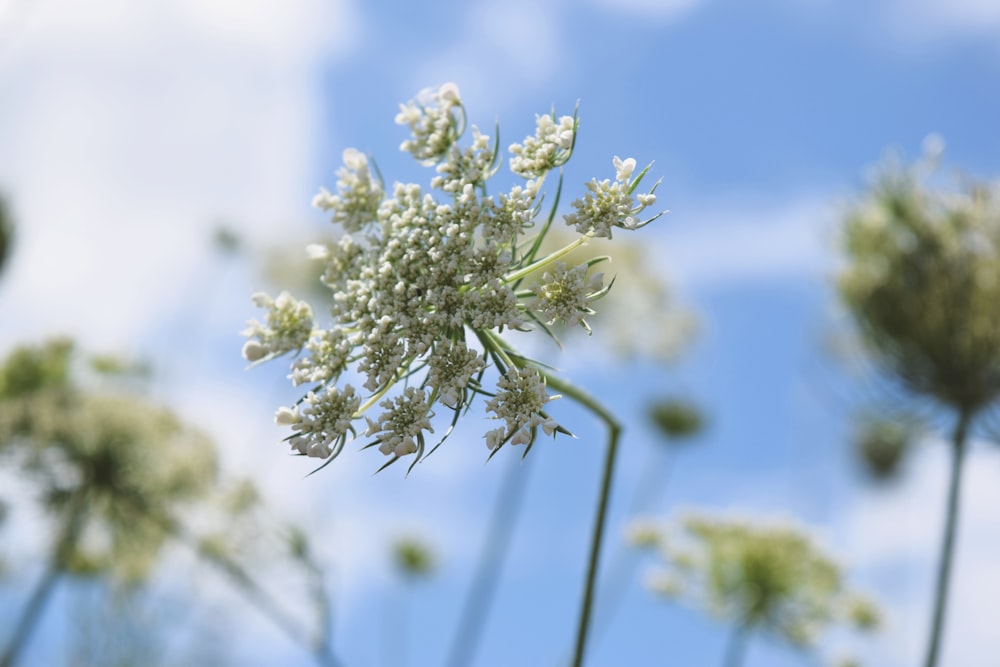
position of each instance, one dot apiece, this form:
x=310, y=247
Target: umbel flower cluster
x=423, y=283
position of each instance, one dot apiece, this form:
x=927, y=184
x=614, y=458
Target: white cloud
x=129, y=128
x=747, y=239
x=933, y=19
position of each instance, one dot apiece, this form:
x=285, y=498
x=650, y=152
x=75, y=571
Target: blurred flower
x=119, y=476
x=412, y=558
x=760, y=577
x=882, y=443
x=676, y=418
x=922, y=282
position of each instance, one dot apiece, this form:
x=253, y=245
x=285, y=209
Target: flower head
x=423, y=283
x=551, y=147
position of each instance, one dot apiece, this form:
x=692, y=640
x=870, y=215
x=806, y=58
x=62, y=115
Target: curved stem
x=484, y=583
x=958, y=446
x=614, y=432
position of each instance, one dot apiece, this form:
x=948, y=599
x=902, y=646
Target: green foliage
x=922, y=284
x=769, y=578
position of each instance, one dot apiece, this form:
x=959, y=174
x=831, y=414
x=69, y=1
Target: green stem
x=68, y=535
x=958, y=447
x=545, y=261
x=736, y=646
x=491, y=558
x=614, y=432
x=653, y=480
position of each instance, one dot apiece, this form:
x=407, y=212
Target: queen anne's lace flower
x=551, y=147
x=324, y=421
x=610, y=204
x=564, y=292
x=431, y=119
x=289, y=323
x=399, y=430
x=451, y=370
x=358, y=194
x=471, y=166
x=520, y=397
x=423, y=282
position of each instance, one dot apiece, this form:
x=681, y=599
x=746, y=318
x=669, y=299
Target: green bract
x=422, y=283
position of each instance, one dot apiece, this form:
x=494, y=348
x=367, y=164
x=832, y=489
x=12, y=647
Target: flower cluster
x=761, y=576
x=424, y=283
x=611, y=204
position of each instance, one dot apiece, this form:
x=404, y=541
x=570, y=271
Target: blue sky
x=129, y=131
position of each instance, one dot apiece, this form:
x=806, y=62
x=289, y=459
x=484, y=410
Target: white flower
x=449, y=92
x=286, y=416
x=521, y=437
x=318, y=251
x=400, y=428
x=423, y=281
x=289, y=322
x=494, y=438
x=432, y=122
x=358, y=194
x=624, y=168
x=254, y=351
x=549, y=148
x=322, y=425
x=562, y=294
x=520, y=396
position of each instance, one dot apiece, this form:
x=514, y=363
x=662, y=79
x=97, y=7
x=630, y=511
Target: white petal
x=286, y=416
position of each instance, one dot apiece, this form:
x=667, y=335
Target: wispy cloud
x=746, y=239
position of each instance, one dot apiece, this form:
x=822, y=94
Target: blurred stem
x=66, y=540
x=958, y=447
x=614, y=431
x=241, y=579
x=491, y=558
x=736, y=646
x=654, y=477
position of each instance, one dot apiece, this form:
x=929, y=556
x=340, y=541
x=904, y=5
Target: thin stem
x=68, y=534
x=736, y=646
x=491, y=559
x=652, y=482
x=545, y=261
x=614, y=432
x=958, y=447
x=244, y=582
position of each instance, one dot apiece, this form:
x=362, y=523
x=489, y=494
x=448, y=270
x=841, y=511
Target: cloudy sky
x=130, y=131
